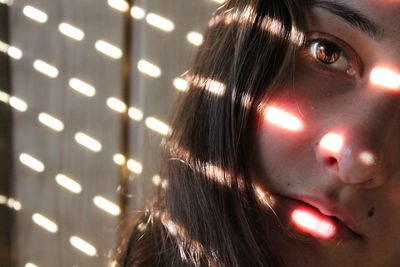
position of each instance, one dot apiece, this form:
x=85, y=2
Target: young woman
x=285, y=151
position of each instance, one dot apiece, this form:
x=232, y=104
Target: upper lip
x=331, y=209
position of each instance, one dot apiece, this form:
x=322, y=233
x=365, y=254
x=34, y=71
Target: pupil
x=327, y=53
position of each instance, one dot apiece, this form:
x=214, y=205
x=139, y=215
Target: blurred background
x=86, y=89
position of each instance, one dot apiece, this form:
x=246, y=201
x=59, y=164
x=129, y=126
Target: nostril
x=332, y=163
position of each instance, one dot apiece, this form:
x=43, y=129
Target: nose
x=362, y=148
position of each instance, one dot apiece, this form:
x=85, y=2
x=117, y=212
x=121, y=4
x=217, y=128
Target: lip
x=334, y=214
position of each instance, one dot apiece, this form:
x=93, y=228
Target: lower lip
x=307, y=219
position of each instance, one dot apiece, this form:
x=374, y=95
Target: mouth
x=316, y=221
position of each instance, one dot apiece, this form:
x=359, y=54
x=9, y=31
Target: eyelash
x=346, y=51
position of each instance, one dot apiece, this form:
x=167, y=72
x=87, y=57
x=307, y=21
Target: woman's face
x=329, y=141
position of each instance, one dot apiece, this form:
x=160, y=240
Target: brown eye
x=326, y=52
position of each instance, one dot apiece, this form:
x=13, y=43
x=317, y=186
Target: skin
x=368, y=116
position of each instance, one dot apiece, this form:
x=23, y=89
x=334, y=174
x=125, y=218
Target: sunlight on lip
x=385, y=78
x=283, y=119
x=312, y=223
x=332, y=142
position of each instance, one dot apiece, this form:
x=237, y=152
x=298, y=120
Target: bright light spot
x=181, y=84
x=137, y=13
x=4, y=97
x=3, y=199
x=149, y=68
x=135, y=114
x=164, y=184
x=106, y=205
x=18, y=104
x=45, y=68
x=108, y=49
x=116, y=104
x=82, y=245
x=7, y=2
x=29, y=264
x=71, y=31
x=386, y=78
x=309, y=222
x=119, y=5
x=3, y=47
x=160, y=22
x=88, y=142
x=158, y=126
x=332, y=142
x=119, y=159
x=51, y=122
x=195, y=38
x=264, y=197
x=35, y=14
x=213, y=86
x=134, y=166
x=156, y=180
x=13, y=204
x=14, y=52
x=31, y=162
x=367, y=158
x=219, y=1
x=283, y=119
x=82, y=87
x=68, y=183
x=44, y=222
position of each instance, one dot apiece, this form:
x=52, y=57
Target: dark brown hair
x=208, y=214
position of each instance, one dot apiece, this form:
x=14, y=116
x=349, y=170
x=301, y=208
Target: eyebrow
x=352, y=16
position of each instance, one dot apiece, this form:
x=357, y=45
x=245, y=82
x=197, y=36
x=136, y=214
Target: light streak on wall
x=135, y=114
x=30, y=264
x=3, y=47
x=385, y=78
x=51, y=122
x=82, y=87
x=119, y=159
x=31, y=162
x=283, y=119
x=137, y=12
x=106, y=205
x=35, y=14
x=108, y=49
x=3, y=199
x=158, y=126
x=116, y=104
x=181, y=84
x=68, y=183
x=149, y=68
x=14, y=52
x=156, y=179
x=160, y=22
x=14, y=204
x=7, y=2
x=18, y=104
x=195, y=38
x=4, y=97
x=88, y=142
x=45, y=68
x=45, y=222
x=134, y=166
x=83, y=245
x=219, y=1
x=332, y=142
x=71, y=31
x=119, y=5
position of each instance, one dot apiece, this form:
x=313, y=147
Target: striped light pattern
x=88, y=142
x=68, y=183
x=108, y=49
x=45, y=222
x=149, y=68
x=160, y=22
x=18, y=104
x=31, y=162
x=106, y=205
x=137, y=12
x=82, y=87
x=71, y=31
x=134, y=166
x=116, y=104
x=158, y=126
x=51, y=122
x=45, y=68
x=120, y=5
x=35, y=14
x=135, y=114
x=195, y=38
x=83, y=245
